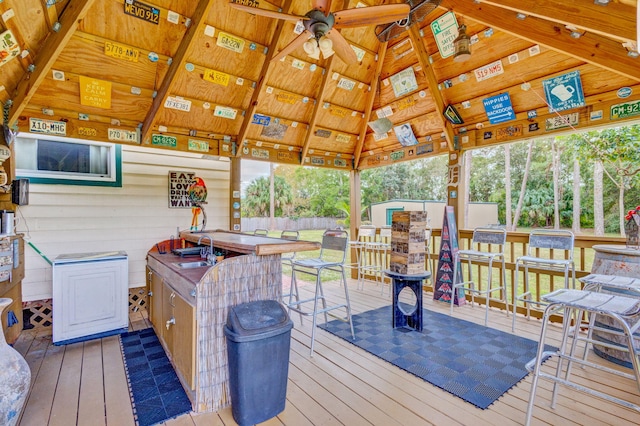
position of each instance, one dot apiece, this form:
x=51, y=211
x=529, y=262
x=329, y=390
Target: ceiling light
x=462, y=45
x=311, y=48
x=326, y=47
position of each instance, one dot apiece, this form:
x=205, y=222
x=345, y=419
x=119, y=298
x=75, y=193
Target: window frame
x=114, y=179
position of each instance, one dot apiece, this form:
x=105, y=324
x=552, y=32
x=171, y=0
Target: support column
x=234, y=194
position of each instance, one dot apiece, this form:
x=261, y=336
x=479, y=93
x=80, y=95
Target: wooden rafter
x=584, y=15
x=253, y=104
x=198, y=21
x=47, y=55
x=591, y=48
x=382, y=51
x=432, y=81
x=50, y=13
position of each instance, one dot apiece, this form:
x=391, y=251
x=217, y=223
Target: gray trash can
x=258, y=341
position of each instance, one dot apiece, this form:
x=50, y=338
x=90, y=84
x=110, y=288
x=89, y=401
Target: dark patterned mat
x=470, y=361
x=154, y=387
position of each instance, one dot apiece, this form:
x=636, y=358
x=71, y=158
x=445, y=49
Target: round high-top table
x=624, y=262
x=403, y=317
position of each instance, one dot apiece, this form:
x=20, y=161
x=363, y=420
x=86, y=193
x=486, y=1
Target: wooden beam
x=198, y=21
x=432, y=80
x=591, y=48
x=614, y=20
x=50, y=13
x=47, y=55
x=375, y=82
x=253, y=103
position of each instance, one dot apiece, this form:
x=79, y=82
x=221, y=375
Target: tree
x=257, y=197
x=523, y=187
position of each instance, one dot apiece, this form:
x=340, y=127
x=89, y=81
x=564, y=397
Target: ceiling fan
x=321, y=33
x=418, y=10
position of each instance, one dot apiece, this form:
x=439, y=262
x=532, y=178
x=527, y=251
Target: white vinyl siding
x=62, y=219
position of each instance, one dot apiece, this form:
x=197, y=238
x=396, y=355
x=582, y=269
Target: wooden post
x=234, y=189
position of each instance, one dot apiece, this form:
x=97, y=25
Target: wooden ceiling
x=197, y=76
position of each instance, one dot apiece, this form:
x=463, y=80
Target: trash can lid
x=263, y=316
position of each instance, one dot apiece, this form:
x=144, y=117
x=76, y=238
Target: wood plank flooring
x=85, y=383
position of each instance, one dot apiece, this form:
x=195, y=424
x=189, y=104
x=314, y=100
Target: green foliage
x=257, y=199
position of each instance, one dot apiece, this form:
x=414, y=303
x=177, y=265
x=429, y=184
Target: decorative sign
x=287, y=98
x=260, y=153
x=499, y=109
x=445, y=30
x=94, y=92
x=402, y=49
x=274, y=131
x=120, y=135
x=425, y=148
x=322, y=133
x=405, y=135
x=286, y=156
x=342, y=138
x=9, y=47
x=198, y=145
x=627, y=109
x=317, y=161
x=87, y=131
x=451, y=114
x=216, y=77
x=339, y=162
x=397, y=155
x=359, y=52
x=142, y=11
x=509, y=132
x=225, y=112
x=443, y=285
x=47, y=127
x=262, y=120
x=179, y=184
x=559, y=122
x=406, y=103
x=163, y=140
x=230, y=42
x=624, y=92
x=176, y=102
x=346, y=84
x=338, y=111
x=403, y=82
x=489, y=71
x=564, y=92
x=120, y=51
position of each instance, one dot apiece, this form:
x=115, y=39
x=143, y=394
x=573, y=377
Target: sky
x=252, y=170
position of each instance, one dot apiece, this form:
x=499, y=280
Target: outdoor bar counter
x=188, y=304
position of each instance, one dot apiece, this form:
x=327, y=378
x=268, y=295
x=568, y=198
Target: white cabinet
x=90, y=296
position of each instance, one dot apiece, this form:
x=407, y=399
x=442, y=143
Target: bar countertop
x=245, y=243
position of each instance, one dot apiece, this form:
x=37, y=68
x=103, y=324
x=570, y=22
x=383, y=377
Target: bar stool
x=287, y=259
x=620, y=309
x=332, y=256
x=540, y=255
x=261, y=232
x=379, y=251
x=490, y=237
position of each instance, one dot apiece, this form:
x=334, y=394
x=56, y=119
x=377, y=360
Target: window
x=51, y=159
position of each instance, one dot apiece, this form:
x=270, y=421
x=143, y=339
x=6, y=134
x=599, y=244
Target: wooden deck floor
x=85, y=384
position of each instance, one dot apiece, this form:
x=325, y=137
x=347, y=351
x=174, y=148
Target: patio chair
x=489, y=237
x=541, y=254
x=366, y=234
x=332, y=255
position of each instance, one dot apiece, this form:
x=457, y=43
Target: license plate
x=48, y=127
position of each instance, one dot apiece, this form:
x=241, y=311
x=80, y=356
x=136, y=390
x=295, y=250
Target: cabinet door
x=155, y=301
x=168, y=320
x=184, y=339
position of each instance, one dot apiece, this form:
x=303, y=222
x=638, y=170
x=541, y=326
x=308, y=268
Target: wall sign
x=404, y=82
x=179, y=183
x=564, y=92
x=499, y=109
x=445, y=30
x=9, y=47
x=94, y=92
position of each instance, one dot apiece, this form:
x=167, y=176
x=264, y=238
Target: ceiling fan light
x=462, y=45
x=311, y=48
x=326, y=47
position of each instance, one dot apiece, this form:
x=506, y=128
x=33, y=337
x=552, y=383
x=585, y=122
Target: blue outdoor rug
x=470, y=361
x=154, y=387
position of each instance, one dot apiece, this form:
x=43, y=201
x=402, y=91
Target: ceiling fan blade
x=372, y=15
x=267, y=13
x=342, y=47
x=295, y=43
x=323, y=6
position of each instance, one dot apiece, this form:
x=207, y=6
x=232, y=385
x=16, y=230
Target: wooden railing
x=540, y=281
